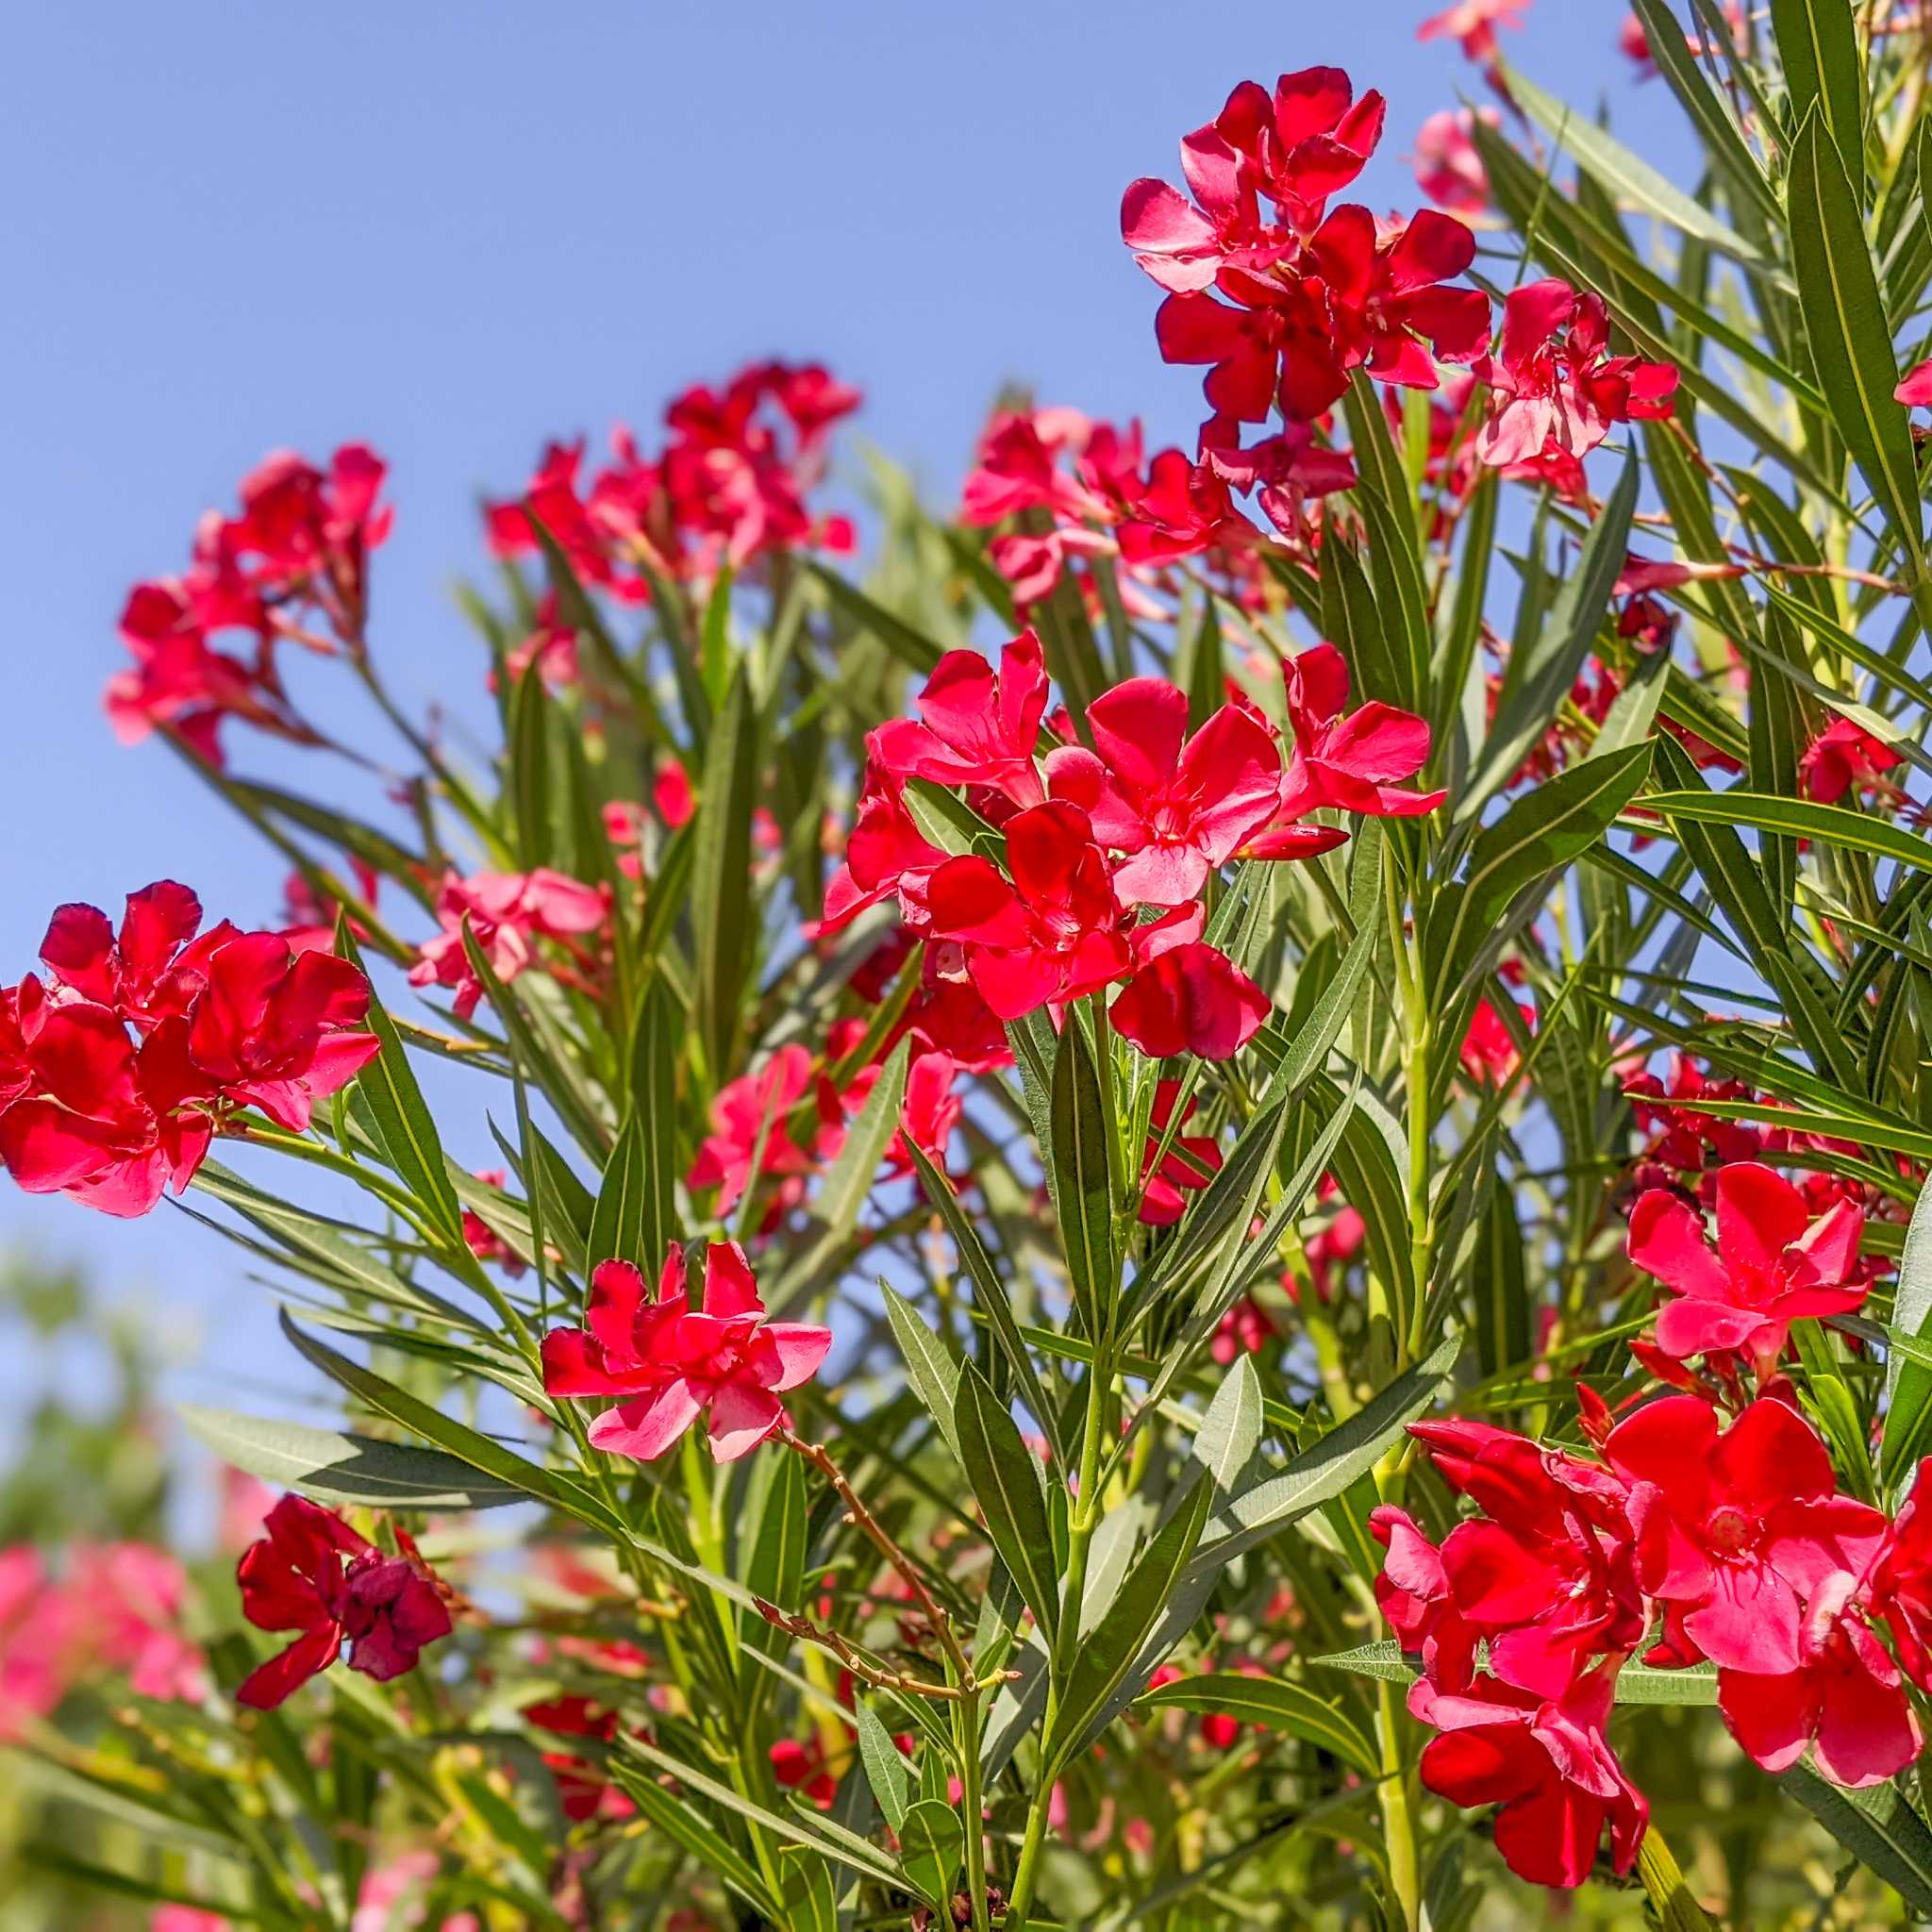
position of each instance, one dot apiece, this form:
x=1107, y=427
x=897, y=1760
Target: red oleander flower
x=1189, y=999
x=582, y=1789
x=136, y=973
x=220, y=1021
x=1546, y=1574
x=276, y=1028
x=1387, y=295
x=887, y=856
x=1176, y=806
x=1448, y=169
x=313, y=1574
x=1845, y=1700
x=1773, y=1264
x=1915, y=388
x=1736, y=1531
x=1191, y=1162
x=1547, y=1763
x=1412, y=1593
x=669, y=1363
x=108, y=1125
x=1845, y=757
x=980, y=727
x=1555, y=386
x=1245, y=1329
x=803, y=1768
x=506, y=913
x=1051, y=933
x=1489, y=1048
x=928, y=1116
x=1307, y=142
x=1341, y=760
x=1189, y=507
x=1901, y=1579
x=752, y=1109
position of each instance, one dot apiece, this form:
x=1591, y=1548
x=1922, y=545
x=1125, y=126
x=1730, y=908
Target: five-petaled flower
x=1773, y=1264
x=1555, y=388
x=669, y=1362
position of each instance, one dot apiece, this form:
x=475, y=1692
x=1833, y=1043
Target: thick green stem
x=971, y=1805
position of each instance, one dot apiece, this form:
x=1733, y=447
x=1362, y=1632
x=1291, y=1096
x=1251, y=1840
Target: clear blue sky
x=455, y=230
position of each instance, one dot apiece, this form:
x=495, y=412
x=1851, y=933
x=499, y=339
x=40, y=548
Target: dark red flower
x=1051, y=933
x=1845, y=757
x=980, y=727
x=1192, y=1160
x=581, y=1788
x=1189, y=998
x=313, y=1574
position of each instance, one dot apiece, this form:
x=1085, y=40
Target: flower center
x=1729, y=1529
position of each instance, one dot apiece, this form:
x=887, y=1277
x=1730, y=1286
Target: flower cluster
x=296, y=555
x=1132, y=820
x=728, y=487
x=313, y=1575
x=1313, y=293
x=669, y=1362
x=1734, y=1540
x=132, y=1048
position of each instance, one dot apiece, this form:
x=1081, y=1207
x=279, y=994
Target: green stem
x=971, y=1805
x=1398, y=1818
x=1080, y=1527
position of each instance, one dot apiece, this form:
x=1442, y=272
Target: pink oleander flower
x=507, y=913
x=669, y=1363
x=1447, y=166
x=1555, y=389
x=977, y=727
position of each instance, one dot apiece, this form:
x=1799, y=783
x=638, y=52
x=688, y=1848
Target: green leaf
x=340, y=1469
x=1836, y=824
x=635, y=1218
x=1502, y=1296
x=1536, y=682
x=1695, y=1687
x=403, y=1117
x=811, y=1903
x=1230, y=1432
x=932, y=1843
x=721, y=911
x=1878, y=1826
x=1329, y=1464
x=989, y=1297
x=1005, y=1475
x=1277, y=1705
x=933, y=1374
x=912, y=647
x=1818, y=47
x=775, y=1567
x=531, y=781
x=681, y=1821
x=1630, y=176
x=886, y=1770
x=1108, y=1663
x=1544, y=830
x=1083, y=1194
x=849, y=1179
x=1845, y=319
x=1908, y=1384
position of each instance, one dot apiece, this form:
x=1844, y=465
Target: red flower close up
x=670, y=1363
x=1773, y=1264
x=313, y=1574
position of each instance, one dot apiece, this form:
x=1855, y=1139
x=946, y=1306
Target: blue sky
x=456, y=230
